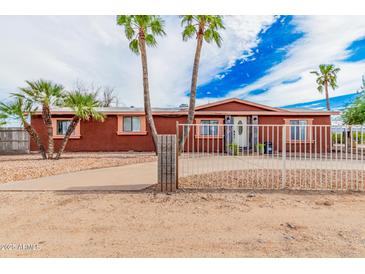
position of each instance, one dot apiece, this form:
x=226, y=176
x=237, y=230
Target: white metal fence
x=293, y=156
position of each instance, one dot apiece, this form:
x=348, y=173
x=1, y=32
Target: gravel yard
x=21, y=167
x=299, y=179
x=186, y=224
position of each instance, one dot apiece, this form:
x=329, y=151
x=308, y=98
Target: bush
x=340, y=137
x=260, y=148
x=235, y=149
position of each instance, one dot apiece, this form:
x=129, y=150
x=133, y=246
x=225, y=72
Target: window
x=240, y=127
x=298, y=130
x=209, y=128
x=131, y=124
x=62, y=126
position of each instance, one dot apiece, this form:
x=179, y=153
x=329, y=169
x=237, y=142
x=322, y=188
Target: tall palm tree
x=203, y=28
x=19, y=109
x=84, y=106
x=326, y=76
x=47, y=94
x=141, y=31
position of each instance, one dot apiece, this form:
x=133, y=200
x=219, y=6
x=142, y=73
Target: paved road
x=128, y=178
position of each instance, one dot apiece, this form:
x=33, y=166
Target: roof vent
x=183, y=106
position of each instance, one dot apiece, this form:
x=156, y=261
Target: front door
x=240, y=131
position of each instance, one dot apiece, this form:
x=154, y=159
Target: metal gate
x=294, y=156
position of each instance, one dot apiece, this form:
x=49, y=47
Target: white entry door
x=240, y=131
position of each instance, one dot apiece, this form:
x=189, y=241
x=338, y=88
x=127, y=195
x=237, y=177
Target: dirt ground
x=22, y=167
x=186, y=224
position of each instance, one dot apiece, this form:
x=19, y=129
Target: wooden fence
x=14, y=140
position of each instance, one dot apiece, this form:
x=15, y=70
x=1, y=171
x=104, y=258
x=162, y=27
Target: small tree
x=19, y=109
x=326, y=76
x=84, y=106
x=47, y=94
x=355, y=113
x=108, y=97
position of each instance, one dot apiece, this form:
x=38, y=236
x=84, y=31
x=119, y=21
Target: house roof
x=200, y=110
x=244, y=102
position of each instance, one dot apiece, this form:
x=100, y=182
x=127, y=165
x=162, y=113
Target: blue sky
x=269, y=52
x=265, y=59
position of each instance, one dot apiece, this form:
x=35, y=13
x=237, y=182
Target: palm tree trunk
x=146, y=91
x=194, y=80
x=48, y=123
x=327, y=97
x=69, y=131
x=34, y=135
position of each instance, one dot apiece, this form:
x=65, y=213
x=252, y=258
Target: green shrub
x=260, y=148
x=340, y=137
x=235, y=149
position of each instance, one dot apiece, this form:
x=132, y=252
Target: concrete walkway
x=128, y=178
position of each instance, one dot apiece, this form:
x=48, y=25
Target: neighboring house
x=125, y=129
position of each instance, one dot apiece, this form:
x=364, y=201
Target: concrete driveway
x=127, y=178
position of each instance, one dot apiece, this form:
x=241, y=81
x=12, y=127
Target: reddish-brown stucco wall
x=102, y=136
x=321, y=136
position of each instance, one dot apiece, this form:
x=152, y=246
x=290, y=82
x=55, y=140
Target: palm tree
x=203, y=28
x=326, y=76
x=47, y=94
x=84, y=105
x=141, y=31
x=19, y=109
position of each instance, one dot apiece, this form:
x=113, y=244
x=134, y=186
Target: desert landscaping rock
x=251, y=195
x=325, y=203
x=298, y=179
x=23, y=167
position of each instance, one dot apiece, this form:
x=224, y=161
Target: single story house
x=125, y=128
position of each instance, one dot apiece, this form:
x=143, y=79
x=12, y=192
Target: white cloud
x=93, y=49
x=325, y=41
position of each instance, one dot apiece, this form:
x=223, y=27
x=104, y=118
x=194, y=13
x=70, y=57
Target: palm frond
x=217, y=38
x=19, y=108
x=208, y=35
x=157, y=25
x=188, y=32
x=141, y=26
x=150, y=40
x=134, y=47
x=84, y=105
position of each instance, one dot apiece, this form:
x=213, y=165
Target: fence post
x=283, y=151
x=167, y=171
x=177, y=154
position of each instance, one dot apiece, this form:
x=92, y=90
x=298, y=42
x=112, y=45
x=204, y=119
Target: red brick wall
x=322, y=135
x=102, y=136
